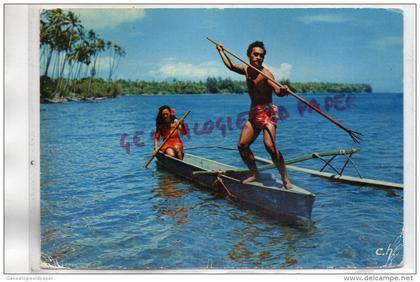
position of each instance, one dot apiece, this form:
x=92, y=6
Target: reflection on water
x=172, y=207
x=167, y=188
x=258, y=237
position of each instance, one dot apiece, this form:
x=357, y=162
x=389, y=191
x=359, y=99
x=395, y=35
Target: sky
x=343, y=45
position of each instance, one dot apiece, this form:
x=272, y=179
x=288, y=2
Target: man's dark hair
x=255, y=44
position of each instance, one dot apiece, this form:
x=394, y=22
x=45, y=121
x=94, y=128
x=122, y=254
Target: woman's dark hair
x=159, y=118
x=255, y=44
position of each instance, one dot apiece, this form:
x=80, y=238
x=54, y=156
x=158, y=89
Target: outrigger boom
x=337, y=175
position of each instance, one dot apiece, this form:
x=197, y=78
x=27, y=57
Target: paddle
x=356, y=136
x=166, y=139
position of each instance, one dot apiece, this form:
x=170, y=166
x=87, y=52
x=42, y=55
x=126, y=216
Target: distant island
x=227, y=86
x=98, y=88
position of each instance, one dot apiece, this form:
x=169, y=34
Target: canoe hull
x=270, y=200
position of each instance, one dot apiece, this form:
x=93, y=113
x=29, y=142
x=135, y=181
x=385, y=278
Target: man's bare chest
x=257, y=83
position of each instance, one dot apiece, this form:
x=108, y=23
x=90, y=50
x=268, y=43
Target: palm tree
x=50, y=28
x=45, y=42
x=96, y=45
x=67, y=50
x=72, y=29
x=100, y=47
x=115, y=54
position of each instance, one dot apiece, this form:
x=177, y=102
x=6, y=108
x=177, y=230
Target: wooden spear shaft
x=353, y=134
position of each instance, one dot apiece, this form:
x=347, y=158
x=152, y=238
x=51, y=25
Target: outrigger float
x=266, y=194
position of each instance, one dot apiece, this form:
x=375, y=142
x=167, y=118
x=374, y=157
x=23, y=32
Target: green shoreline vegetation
x=70, y=59
x=98, y=88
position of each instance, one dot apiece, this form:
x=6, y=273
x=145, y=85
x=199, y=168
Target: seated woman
x=165, y=123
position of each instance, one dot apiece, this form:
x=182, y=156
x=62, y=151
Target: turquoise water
x=101, y=210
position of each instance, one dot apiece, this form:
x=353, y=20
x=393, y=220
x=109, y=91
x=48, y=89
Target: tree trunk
x=93, y=74
x=60, y=77
x=48, y=62
x=111, y=60
x=66, y=83
x=56, y=65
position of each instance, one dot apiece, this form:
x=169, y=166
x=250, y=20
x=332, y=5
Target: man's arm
x=280, y=91
x=228, y=63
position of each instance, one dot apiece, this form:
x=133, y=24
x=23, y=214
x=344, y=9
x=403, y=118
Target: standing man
x=263, y=113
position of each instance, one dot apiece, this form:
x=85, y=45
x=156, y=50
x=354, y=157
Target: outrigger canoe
x=265, y=195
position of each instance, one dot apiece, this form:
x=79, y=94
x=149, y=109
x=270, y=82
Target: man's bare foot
x=250, y=179
x=287, y=184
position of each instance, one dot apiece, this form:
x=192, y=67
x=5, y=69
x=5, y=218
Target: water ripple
x=101, y=210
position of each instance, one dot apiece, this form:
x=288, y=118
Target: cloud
x=281, y=73
x=172, y=68
x=108, y=18
x=385, y=42
x=187, y=71
x=324, y=18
